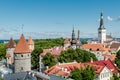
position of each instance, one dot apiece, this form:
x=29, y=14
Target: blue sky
x=55, y=18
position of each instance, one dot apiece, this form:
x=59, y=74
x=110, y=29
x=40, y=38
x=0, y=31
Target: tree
x=2, y=51
x=76, y=74
x=88, y=73
x=117, y=59
x=78, y=55
x=35, y=57
x=49, y=60
x=1, y=78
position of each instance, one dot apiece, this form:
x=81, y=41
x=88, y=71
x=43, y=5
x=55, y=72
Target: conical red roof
x=30, y=41
x=11, y=44
x=22, y=46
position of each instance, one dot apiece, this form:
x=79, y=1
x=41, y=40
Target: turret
x=31, y=44
x=66, y=43
x=10, y=52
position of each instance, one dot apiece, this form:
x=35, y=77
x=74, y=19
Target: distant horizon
x=56, y=18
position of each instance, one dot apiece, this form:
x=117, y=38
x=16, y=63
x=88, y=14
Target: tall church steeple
x=101, y=30
x=101, y=22
x=73, y=34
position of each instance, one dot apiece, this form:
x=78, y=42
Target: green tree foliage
x=1, y=79
x=84, y=42
x=49, y=60
x=83, y=74
x=49, y=43
x=117, y=59
x=2, y=51
x=78, y=55
x=35, y=57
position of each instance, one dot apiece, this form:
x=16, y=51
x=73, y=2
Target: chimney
x=91, y=59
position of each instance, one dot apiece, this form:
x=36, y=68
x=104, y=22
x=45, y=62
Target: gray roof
x=19, y=76
x=54, y=77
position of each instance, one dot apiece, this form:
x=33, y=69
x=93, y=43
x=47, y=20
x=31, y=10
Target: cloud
x=118, y=19
x=109, y=18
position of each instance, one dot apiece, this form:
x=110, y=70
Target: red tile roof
x=64, y=69
x=108, y=63
x=22, y=46
x=30, y=41
x=55, y=51
x=11, y=43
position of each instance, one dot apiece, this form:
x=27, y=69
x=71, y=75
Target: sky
x=56, y=18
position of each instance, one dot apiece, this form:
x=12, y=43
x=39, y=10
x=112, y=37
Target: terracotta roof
x=30, y=41
x=8, y=55
x=11, y=44
x=110, y=56
x=64, y=69
x=66, y=40
x=55, y=51
x=22, y=46
x=94, y=47
x=115, y=46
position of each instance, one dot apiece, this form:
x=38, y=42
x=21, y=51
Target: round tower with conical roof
x=22, y=56
x=10, y=52
x=31, y=44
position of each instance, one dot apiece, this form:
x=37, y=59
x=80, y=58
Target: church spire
x=73, y=34
x=101, y=22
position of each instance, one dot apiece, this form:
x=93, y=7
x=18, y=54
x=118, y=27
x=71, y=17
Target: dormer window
x=97, y=49
x=90, y=49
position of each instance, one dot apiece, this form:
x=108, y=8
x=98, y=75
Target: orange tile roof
x=22, y=46
x=11, y=44
x=8, y=55
x=30, y=41
x=65, y=69
x=94, y=47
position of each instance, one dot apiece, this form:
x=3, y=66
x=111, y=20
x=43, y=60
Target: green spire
x=101, y=22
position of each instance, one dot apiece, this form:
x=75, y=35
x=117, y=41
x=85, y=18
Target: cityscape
x=59, y=40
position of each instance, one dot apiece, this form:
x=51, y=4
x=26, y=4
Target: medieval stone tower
x=10, y=52
x=101, y=31
x=31, y=44
x=22, y=56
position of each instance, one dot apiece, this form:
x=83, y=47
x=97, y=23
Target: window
x=21, y=55
x=97, y=49
x=90, y=49
x=21, y=68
